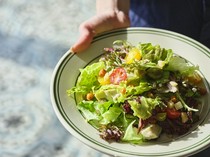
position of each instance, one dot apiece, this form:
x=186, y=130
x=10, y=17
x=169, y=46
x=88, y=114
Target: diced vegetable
x=161, y=116
x=184, y=117
x=118, y=75
x=178, y=105
x=151, y=131
x=173, y=113
x=103, y=80
x=133, y=55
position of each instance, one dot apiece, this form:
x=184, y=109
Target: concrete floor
x=34, y=34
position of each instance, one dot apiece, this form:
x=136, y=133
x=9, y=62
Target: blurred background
x=34, y=34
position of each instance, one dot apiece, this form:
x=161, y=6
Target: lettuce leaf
x=110, y=92
x=143, y=109
x=135, y=90
x=152, y=57
x=181, y=65
x=131, y=134
x=155, y=53
x=101, y=113
x=88, y=78
x=111, y=115
x=88, y=110
x=113, y=93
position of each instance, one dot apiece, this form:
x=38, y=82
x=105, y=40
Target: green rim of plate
x=183, y=151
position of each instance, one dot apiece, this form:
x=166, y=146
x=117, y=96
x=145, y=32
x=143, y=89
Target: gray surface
x=34, y=34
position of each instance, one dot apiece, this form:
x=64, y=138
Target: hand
x=99, y=23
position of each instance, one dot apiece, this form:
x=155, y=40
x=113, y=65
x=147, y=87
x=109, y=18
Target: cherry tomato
x=118, y=75
x=172, y=113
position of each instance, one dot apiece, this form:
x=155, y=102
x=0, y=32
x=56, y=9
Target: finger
x=85, y=38
x=96, y=25
x=88, y=30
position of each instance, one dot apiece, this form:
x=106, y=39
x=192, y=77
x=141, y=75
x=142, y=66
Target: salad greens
x=135, y=93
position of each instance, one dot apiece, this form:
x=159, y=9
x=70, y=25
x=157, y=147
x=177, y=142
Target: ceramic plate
x=66, y=73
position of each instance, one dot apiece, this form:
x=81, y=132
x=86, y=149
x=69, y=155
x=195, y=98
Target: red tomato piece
x=118, y=75
x=172, y=113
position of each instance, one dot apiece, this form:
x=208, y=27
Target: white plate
x=67, y=71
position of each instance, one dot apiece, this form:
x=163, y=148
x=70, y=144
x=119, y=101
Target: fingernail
x=71, y=50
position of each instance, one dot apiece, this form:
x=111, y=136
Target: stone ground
x=34, y=34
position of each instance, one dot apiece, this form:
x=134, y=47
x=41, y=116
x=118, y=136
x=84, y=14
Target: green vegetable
x=111, y=115
x=184, y=104
x=110, y=92
x=132, y=135
x=155, y=53
x=141, y=88
x=88, y=78
x=143, y=109
x=151, y=131
x=125, y=110
x=181, y=65
x=88, y=110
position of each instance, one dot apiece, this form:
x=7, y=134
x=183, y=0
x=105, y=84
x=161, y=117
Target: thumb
x=85, y=38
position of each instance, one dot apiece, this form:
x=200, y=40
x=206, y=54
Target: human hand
x=102, y=22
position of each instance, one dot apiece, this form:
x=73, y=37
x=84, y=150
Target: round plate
x=67, y=71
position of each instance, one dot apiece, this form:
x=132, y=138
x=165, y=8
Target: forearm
x=112, y=5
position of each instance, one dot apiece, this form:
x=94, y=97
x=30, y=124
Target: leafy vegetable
x=88, y=77
x=132, y=135
x=181, y=65
x=134, y=93
x=143, y=108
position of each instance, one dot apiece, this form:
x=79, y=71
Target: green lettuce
x=181, y=65
x=88, y=78
x=153, y=57
x=111, y=115
x=136, y=90
x=143, y=109
x=88, y=110
x=110, y=92
x=131, y=134
x=100, y=113
x=155, y=53
x=113, y=93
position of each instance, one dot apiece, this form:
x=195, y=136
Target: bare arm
x=112, y=5
x=111, y=14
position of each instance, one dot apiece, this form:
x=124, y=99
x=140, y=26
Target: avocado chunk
x=151, y=131
x=100, y=95
x=111, y=94
x=108, y=94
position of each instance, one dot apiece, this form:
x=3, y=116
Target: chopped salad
x=136, y=93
